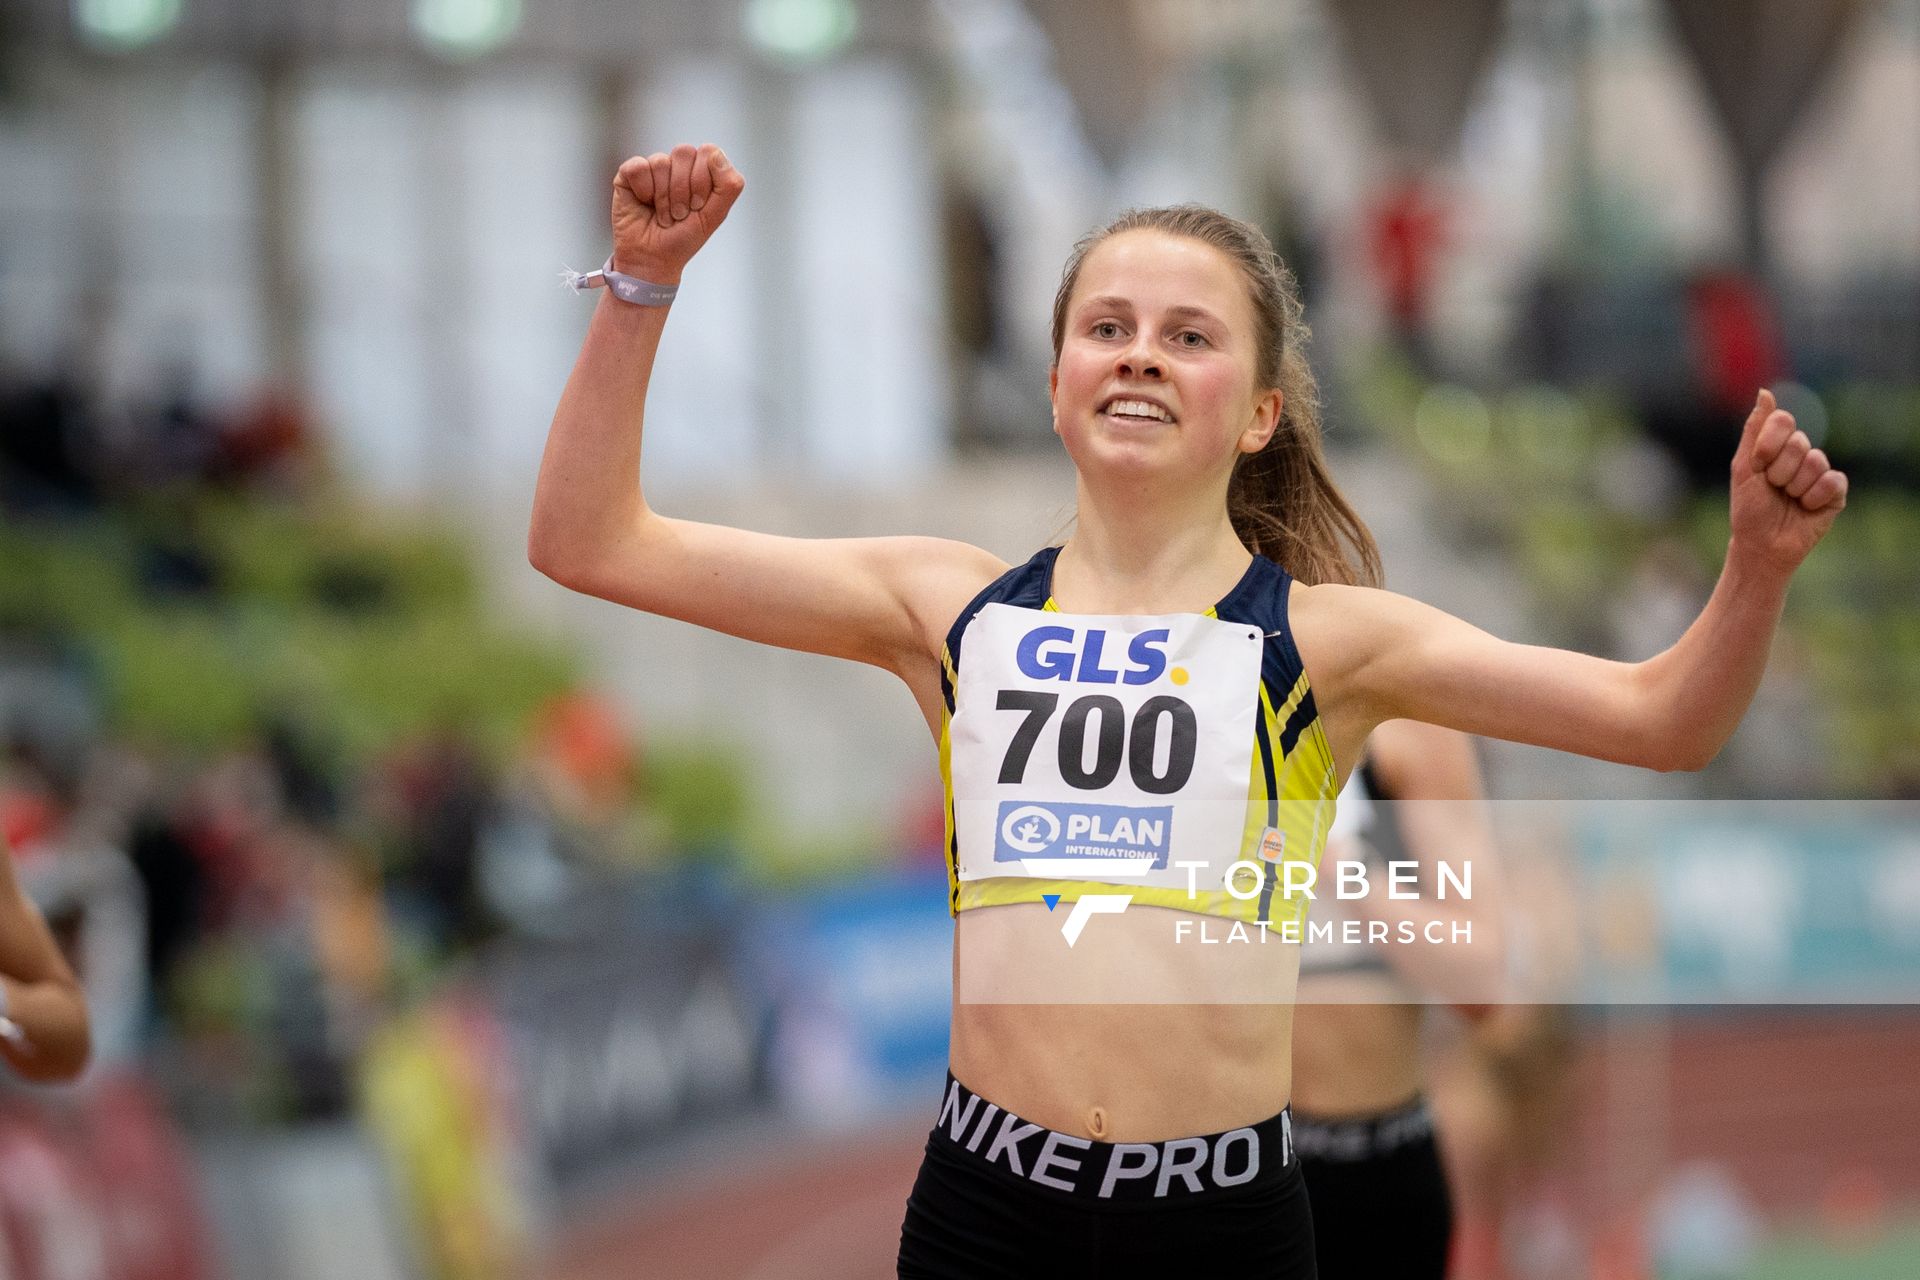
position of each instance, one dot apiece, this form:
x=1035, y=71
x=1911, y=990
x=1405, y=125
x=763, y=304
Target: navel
x=1097, y=1123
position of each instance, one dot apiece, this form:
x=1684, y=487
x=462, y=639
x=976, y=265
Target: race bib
x=1096, y=747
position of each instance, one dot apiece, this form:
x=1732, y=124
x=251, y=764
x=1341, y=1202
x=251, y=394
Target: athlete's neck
x=1147, y=558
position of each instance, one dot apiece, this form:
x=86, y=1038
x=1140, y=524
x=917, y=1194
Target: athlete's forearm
x=1698, y=690
x=54, y=1041
x=589, y=489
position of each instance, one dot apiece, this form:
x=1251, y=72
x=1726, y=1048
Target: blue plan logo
x=1028, y=830
x=1136, y=834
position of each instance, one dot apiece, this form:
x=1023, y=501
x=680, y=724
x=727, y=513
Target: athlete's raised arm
x=886, y=601
x=43, y=1013
x=1381, y=656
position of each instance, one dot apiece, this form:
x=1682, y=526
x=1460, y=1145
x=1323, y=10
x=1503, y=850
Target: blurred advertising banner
x=554, y=1063
x=1477, y=903
x=1753, y=902
x=96, y=1183
x=864, y=971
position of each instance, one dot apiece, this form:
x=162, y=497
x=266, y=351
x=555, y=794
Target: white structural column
x=872, y=398
x=358, y=223
x=709, y=395
x=125, y=225
x=525, y=144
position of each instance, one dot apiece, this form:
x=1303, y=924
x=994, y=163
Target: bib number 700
x=1115, y=739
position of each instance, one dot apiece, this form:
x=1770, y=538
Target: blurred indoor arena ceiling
x=1419, y=76
x=580, y=32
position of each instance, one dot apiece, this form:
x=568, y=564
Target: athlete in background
x=1381, y=1204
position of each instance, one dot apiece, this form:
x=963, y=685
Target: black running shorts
x=1000, y=1197
x=1380, y=1200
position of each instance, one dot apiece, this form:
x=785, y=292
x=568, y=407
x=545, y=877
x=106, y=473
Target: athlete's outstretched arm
x=1385, y=656
x=880, y=600
x=42, y=998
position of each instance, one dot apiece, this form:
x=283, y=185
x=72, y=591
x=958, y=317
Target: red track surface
x=1790, y=1102
x=1787, y=1100
x=823, y=1210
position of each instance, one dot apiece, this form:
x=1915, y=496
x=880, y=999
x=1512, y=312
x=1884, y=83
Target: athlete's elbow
x=1683, y=755
x=560, y=558
x=1696, y=761
x=546, y=556
x=1661, y=728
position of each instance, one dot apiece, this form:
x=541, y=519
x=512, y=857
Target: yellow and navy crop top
x=1292, y=785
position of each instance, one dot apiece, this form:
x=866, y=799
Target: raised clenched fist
x=666, y=205
x=1785, y=492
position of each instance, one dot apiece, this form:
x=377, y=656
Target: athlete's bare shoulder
x=1337, y=627
x=1339, y=630
x=943, y=576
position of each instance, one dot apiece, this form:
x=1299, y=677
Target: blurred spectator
x=46, y=446
x=1733, y=347
x=1406, y=231
x=172, y=438
x=585, y=757
x=435, y=798
x=268, y=445
x=1736, y=343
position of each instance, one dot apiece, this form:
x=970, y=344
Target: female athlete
x=1166, y=705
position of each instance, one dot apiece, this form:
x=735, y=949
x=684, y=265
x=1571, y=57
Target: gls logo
x=1048, y=653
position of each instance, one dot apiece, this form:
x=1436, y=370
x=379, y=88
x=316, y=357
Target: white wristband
x=642, y=293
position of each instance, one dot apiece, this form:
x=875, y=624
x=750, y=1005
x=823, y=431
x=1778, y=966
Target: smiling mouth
x=1122, y=409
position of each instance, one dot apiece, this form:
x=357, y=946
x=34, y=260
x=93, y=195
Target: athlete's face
x=1157, y=364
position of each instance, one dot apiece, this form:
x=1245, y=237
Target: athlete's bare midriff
x=1354, y=1059
x=1104, y=1065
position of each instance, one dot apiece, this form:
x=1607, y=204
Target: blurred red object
x=26, y=818
x=580, y=734
x=144, y=1173
x=96, y=1184
x=1406, y=231
x=271, y=438
x=51, y=1227
x=1620, y=1250
x=1736, y=342
x=1853, y=1208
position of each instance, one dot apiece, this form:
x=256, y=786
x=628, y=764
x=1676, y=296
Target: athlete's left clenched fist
x=1785, y=492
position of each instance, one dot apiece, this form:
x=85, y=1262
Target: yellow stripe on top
x=946, y=783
